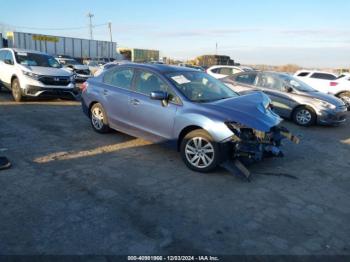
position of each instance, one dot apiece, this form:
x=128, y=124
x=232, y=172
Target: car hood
x=251, y=110
x=324, y=97
x=80, y=67
x=47, y=71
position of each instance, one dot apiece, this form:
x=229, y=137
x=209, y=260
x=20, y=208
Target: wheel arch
x=341, y=92
x=184, y=132
x=306, y=106
x=91, y=105
x=13, y=77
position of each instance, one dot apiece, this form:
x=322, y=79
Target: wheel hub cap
x=303, y=117
x=199, y=152
x=97, y=118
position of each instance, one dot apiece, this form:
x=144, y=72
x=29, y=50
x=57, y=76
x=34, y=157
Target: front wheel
x=304, y=116
x=99, y=120
x=16, y=90
x=345, y=97
x=199, y=152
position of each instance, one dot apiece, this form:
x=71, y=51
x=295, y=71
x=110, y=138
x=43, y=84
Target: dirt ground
x=73, y=191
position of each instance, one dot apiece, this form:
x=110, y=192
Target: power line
x=50, y=28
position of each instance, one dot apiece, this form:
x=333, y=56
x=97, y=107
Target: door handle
x=134, y=102
x=105, y=92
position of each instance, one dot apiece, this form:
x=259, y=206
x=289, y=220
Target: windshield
x=70, y=62
x=34, y=59
x=200, y=87
x=297, y=84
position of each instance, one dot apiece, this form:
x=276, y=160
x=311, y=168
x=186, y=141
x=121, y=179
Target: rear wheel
x=16, y=90
x=99, y=120
x=345, y=97
x=304, y=116
x=200, y=152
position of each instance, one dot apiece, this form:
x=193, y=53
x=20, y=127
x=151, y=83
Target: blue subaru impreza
x=210, y=122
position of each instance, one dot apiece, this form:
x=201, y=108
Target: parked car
x=325, y=82
x=110, y=65
x=81, y=72
x=291, y=98
x=341, y=88
x=209, y=122
x=94, y=65
x=33, y=74
x=221, y=71
x=199, y=68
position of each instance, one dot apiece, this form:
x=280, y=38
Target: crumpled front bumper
x=258, y=145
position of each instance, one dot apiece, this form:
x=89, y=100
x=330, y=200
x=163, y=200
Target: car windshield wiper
x=210, y=100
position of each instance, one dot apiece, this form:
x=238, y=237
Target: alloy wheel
x=199, y=152
x=303, y=117
x=346, y=100
x=15, y=90
x=97, y=118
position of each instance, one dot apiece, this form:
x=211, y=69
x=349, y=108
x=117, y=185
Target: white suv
x=325, y=82
x=221, y=71
x=33, y=74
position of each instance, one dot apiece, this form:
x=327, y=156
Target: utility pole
x=216, y=48
x=110, y=30
x=90, y=24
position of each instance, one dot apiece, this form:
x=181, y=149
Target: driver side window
x=147, y=82
x=9, y=57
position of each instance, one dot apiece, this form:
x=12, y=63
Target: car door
x=115, y=92
x=152, y=119
x=7, y=67
x=2, y=64
x=274, y=87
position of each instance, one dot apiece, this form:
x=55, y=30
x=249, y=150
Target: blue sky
x=314, y=33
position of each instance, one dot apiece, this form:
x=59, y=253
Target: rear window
x=246, y=79
x=303, y=74
x=323, y=76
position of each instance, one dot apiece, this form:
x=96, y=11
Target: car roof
x=19, y=50
x=160, y=68
x=226, y=66
x=313, y=71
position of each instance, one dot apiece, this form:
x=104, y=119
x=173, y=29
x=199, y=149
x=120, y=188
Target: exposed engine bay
x=255, y=145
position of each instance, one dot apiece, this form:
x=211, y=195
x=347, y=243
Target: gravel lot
x=73, y=191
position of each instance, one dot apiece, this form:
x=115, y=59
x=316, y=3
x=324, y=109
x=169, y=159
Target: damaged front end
x=255, y=144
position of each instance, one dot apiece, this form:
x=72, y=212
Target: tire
x=98, y=119
x=304, y=116
x=345, y=97
x=193, y=153
x=16, y=90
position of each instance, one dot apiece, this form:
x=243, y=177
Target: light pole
x=110, y=31
x=90, y=24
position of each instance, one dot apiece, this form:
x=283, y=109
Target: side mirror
x=159, y=95
x=289, y=89
x=8, y=62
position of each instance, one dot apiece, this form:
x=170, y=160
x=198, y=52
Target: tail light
x=84, y=86
x=333, y=83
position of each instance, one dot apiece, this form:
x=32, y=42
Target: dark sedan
x=291, y=98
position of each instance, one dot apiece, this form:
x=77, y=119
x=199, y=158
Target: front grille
x=83, y=72
x=55, y=80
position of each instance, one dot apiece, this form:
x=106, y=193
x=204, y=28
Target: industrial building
x=210, y=60
x=59, y=45
x=139, y=55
